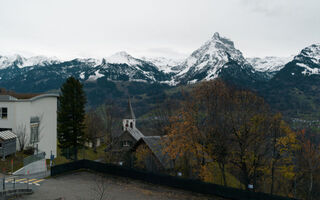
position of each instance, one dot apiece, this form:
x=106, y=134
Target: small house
x=152, y=157
x=8, y=143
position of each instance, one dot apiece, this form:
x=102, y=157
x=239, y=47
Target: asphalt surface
x=21, y=182
x=87, y=186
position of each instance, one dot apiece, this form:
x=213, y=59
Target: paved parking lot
x=21, y=182
x=87, y=186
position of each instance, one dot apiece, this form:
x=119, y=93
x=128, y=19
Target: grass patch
x=12, y=162
x=87, y=153
x=214, y=175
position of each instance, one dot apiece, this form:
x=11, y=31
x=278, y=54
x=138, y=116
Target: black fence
x=165, y=180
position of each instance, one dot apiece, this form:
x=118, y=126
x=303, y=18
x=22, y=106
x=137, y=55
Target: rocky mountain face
x=46, y=75
x=295, y=89
x=279, y=80
x=218, y=57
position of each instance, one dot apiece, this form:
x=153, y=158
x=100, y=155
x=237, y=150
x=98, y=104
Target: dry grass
x=88, y=154
x=15, y=159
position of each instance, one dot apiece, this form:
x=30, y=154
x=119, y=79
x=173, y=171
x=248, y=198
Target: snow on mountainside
x=164, y=64
x=123, y=57
x=308, y=70
x=309, y=60
x=21, y=62
x=216, y=58
x=210, y=59
x=90, y=61
x=269, y=63
x=310, y=53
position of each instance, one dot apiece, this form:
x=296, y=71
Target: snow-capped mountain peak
x=40, y=61
x=20, y=61
x=311, y=53
x=122, y=57
x=212, y=57
x=217, y=38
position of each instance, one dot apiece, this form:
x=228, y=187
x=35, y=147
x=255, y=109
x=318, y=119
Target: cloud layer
x=98, y=28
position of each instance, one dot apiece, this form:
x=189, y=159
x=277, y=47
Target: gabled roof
x=6, y=135
x=136, y=134
x=129, y=113
x=156, y=146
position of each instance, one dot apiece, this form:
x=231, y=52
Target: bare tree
x=99, y=189
x=160, y=116
x=22, y=136
x=110, y=114
x=94, y=128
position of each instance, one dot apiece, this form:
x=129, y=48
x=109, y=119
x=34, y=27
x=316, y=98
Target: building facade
x=36, y=117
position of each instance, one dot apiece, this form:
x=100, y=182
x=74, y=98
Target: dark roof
x=129, y=112
x=18, y=95
x=156, y=145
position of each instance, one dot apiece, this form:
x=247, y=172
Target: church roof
x=135, y=133
x=129, y=113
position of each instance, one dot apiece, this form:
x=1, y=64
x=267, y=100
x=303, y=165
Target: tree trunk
x=75, y=154
x=310, y=186
x=223, y=172
x=272, y=178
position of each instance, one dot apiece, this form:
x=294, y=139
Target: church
x=129, y=136
x=130, y=140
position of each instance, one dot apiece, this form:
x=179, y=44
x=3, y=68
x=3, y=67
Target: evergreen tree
x=71, y=115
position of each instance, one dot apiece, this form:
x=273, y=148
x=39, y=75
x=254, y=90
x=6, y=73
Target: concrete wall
x=32, y=168
x=20, y=112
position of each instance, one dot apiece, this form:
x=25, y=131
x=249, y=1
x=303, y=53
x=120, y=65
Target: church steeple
x=129, y=120
x=129, y=112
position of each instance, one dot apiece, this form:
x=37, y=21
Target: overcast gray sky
x=172, y=28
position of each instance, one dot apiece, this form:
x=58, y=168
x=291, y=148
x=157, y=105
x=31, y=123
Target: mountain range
x=121, y=74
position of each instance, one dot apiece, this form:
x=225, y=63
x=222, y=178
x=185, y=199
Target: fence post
x=4, y=184
x=28, y=183
x=14, y=183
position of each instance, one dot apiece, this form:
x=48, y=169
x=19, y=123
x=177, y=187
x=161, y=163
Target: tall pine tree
x=71, y=115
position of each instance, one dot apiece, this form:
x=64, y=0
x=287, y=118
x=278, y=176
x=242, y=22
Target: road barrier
x=165, y=180
x=13, y=193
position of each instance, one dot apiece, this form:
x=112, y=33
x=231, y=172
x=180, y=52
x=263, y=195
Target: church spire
x=130, y=113
x=129, y=120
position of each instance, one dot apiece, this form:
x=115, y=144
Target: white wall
x=20, y=112
x=10, y=121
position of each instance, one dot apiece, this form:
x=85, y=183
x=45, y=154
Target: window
x=3, y=113
x=34, y=133
x=34, y=130
x=126, y=143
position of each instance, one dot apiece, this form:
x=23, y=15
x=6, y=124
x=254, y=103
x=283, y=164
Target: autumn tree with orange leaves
x=235, y=130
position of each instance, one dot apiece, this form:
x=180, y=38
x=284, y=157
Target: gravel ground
x=87, y=186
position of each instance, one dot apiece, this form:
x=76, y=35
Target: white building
x=39, y=117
